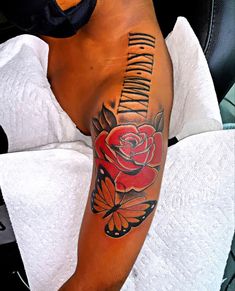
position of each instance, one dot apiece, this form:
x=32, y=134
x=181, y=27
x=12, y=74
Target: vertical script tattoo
x=137, y=80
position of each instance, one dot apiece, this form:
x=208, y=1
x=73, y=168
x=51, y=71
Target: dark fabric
x=46, y=18
x=229, y=273
x=3, y=141
x=11, y=266
x=11, y=269
x=3, y=150
x=172, y=141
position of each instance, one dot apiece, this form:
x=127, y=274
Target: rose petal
x=151, y=153
x=117, y=163
x=99, y=143
x=148, y=129
x=140, y=147
x=101, y=147
x=110, y=167
x=143, y=135
x=150, y=141
x=125, y=143
x=127, y=165
x=131, y=137
x=126, y=150
x=157, y=153
x=113, y=139
x=138, y=182
x=141, y=158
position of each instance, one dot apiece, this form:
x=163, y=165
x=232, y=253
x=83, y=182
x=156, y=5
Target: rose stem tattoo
x=128, y=156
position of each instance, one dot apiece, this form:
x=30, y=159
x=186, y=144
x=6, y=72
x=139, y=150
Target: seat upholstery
x=7, y=29
x=213, y=21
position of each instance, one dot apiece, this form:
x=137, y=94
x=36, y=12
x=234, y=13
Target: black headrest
x=3, y=141
x=213, y=21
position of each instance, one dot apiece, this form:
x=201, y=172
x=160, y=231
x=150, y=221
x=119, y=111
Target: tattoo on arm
x=128, y=154
x=137, y=78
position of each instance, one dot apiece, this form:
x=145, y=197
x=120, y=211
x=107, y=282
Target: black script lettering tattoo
x=137, y=80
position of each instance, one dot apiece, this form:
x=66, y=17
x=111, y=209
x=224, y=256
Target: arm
x=66, y=4
x=129, y=126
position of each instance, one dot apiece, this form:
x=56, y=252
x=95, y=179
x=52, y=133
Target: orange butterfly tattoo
x=122, y=211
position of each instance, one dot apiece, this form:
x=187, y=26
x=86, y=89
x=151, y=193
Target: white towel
x=190, y=237
x=29, y=112
x=195, y=107
x=46, y=190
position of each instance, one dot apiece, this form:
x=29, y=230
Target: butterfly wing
x=123, y=214
x=127, y=217
x=103, y=197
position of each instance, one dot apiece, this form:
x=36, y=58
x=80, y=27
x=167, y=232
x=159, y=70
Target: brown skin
x=86, y=71
x=66, y=4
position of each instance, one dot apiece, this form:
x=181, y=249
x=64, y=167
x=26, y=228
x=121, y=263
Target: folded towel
x=195, y=107
x=29, y=112
x=46, y=190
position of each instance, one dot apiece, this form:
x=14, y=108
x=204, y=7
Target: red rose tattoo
x=131, y=154
x=128, y=154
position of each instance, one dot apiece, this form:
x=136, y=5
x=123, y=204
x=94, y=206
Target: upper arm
x=129, y=127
